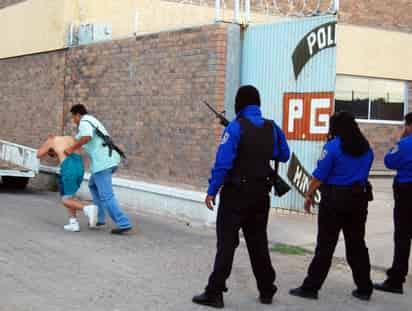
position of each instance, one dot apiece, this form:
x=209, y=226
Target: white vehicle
x=17, y=164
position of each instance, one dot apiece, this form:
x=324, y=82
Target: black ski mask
x=246, y=95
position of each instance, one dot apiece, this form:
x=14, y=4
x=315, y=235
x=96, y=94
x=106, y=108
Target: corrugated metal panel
x=267, y=63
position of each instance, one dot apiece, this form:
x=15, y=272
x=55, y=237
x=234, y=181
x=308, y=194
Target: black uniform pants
x=249, y=211
x=346, y=211
x=402, y=216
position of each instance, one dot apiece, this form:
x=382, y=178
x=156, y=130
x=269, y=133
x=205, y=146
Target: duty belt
x=356, y=188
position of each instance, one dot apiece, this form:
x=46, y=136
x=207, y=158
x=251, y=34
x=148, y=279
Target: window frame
x=379, y=121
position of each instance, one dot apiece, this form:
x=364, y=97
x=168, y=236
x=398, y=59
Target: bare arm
x=86, y=160
x=82, y=141
x=313, y=186
x=44, y=149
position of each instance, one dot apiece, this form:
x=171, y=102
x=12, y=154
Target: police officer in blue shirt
x=399, y=158
x=342, y=175
x=242, y=167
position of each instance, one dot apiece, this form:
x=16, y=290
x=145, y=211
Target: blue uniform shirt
x=227, y=151
x=399, y=158
x=338, y=168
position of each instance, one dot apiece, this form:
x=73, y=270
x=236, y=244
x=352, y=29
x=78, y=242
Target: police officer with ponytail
x=241, y=173
x=342, y=176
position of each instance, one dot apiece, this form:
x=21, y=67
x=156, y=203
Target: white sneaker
x=91, y=212
x=72, y=226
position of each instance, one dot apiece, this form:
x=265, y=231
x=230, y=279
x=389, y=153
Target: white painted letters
x=319, y=123
x=311, y=42
x=295, y=112
x=320, y=39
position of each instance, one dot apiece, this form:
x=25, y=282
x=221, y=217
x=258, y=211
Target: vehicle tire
x=15, y=182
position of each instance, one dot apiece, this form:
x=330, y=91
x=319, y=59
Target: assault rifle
x=107, y=141
x=222, y=119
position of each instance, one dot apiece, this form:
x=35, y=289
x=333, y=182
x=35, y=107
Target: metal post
x=247, y=12
x=217, y=11
x=136, y=23
x=236, y=11
x=336, y=6
x=71, y=34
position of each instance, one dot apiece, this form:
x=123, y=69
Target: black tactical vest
x=254, y=154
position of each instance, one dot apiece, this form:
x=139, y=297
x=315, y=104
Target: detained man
x=70, y=179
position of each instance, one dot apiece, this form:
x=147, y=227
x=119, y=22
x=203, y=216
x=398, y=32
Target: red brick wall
x=148, y=92
x=383, y=136
x=31, y=96
x=389, y=14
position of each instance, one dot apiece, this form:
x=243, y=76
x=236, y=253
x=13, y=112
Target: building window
x=371, y=99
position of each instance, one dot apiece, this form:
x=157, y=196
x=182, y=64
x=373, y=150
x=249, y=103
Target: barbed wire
x=273, y=7
x=295, y=7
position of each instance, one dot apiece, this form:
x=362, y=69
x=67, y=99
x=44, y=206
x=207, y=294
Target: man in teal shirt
x=103, y=163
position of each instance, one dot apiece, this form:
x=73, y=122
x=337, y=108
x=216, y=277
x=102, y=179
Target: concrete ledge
x=49, y=169
x=154, y=198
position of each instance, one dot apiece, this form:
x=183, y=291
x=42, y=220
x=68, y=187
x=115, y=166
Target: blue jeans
x=101, y=188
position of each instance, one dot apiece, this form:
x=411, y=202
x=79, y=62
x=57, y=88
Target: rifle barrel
x=210, y=107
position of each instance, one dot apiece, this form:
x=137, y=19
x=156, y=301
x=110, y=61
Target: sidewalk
x=301, y=230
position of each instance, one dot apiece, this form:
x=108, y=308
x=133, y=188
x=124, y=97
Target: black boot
x=121, y=231
x=267, y=298
x=361, y=295
x=304, y=293
x=387, y=286
x=208, y=299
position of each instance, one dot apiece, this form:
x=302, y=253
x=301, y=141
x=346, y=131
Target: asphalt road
x=158, y=267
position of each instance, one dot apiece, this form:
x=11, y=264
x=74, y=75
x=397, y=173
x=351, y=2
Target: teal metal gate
x=293, y=64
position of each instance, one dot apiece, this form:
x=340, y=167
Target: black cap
x=246, y=95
